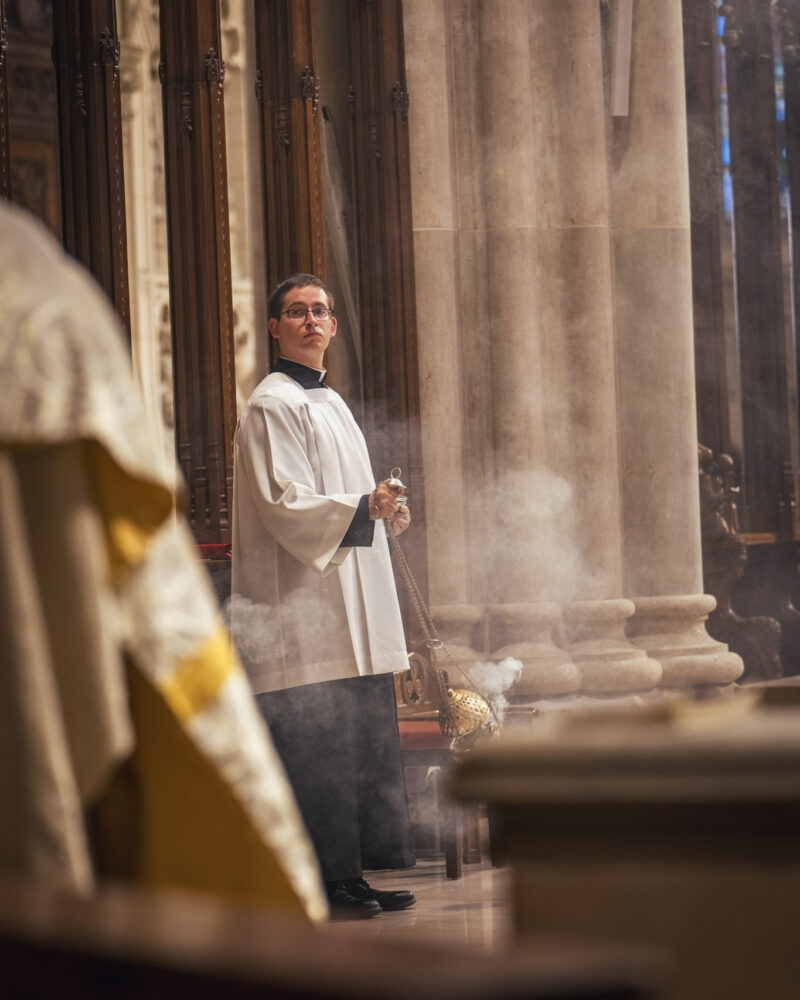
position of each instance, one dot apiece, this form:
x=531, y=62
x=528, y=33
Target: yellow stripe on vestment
x=197, y=680
x=181, y=791
x=133, y=508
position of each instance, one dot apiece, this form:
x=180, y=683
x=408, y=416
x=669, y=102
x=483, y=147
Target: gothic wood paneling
x=5, y=138
x=384, y=238
x=192, y=75
x=86, y=56
x=702, y=112
x=287, y=91
x=768, y=492
x=33, y=112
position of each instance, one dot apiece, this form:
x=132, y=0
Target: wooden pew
x=138, y=945
x=425, y=745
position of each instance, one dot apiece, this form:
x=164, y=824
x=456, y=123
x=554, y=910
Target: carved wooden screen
x=287, y=94
x=192, y=74
x=384, y=240
x=32, y=137
x=86, y=56
x=5, y=140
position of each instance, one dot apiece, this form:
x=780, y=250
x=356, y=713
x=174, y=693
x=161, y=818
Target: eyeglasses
x=300, y=312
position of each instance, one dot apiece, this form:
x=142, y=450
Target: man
x=314, y=609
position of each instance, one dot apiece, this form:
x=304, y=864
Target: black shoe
x=359, y=889
x=345, y=906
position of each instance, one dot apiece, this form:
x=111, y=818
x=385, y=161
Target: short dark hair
x=277, y=295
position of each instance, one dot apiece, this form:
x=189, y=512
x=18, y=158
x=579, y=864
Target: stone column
x=649, y=185
x=455, y=606
x=575, y=311
x=520, y=551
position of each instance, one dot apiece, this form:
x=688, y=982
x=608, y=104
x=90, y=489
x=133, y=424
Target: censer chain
x=432, y=638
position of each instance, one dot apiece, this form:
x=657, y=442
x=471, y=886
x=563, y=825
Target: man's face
x=304, y=339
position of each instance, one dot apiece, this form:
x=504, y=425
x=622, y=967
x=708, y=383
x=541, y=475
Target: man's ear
x=333, y=326
x=272, y=325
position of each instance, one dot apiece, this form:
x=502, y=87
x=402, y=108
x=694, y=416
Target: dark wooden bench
x=138, y=945
x=424, y=745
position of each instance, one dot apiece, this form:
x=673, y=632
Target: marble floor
x=472, y=911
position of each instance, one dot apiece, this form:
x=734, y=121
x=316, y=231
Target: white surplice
x=305, y=609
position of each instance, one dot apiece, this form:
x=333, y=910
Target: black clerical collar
x=308, y=378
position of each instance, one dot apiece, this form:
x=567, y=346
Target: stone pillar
x=135, y=147
x=456, y=606
x=649, y=186
x=435, y=223
x=575, y=310
x=142, y=147
x=522, y=615
x=473, y=214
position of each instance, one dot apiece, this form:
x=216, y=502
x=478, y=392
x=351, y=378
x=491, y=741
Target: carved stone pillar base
x=608, y=662
x=527, y=634
x=672, y=630
x=456, y=624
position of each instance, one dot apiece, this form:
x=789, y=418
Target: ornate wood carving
x=30, y=182
x=309, y=86
x=769, y=586
x=768, y=490
x=756, y=638
x=400, y=101
x=5, y=139
x=109, y=47
x=86, y=56
x=32, y=106
x=417, y=690
x=215, y=67
x=287, y=89
x=192, y=76
x=33, y=92
x=186, y=110
x=384, y=240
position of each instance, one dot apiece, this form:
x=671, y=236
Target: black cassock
x=339, y=743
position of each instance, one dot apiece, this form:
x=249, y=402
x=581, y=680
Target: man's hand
x=383, y=503
x=401, y=520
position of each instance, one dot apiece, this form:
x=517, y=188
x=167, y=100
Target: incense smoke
x=268, y=637
x=492, y=680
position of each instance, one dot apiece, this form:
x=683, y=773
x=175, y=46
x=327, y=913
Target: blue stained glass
x=720, y=25
x=725, y=148
x=727, y=193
